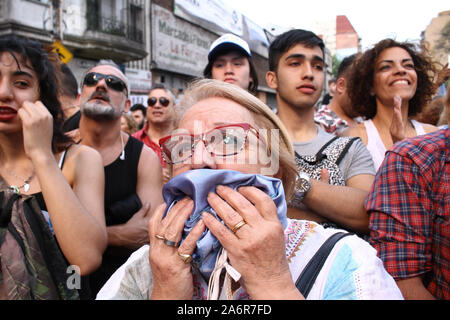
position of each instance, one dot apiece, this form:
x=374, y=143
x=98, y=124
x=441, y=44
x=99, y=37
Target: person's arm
x=80, y=231
x=413, y=289
x=400, y=210
x=134, y=233
x=341, y=204
x=345, y=204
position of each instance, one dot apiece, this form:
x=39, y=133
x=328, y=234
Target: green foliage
x=335, y=65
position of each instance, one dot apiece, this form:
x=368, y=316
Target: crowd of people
x=215, y=195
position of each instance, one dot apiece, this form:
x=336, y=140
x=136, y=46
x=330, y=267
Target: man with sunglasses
x=160, y=121
x=133, y=179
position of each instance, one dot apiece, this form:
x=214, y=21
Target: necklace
x=25, y=185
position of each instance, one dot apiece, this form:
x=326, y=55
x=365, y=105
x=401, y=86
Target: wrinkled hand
x=172, y=277
x=37, y=124
x=257, y=249
x=397, y=129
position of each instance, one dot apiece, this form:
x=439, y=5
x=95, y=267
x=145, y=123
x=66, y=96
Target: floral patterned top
x=352, y=270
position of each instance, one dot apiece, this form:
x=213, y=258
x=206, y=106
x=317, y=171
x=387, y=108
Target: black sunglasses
x=163, y=101
x=113, y=82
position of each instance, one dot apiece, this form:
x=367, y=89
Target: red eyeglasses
x=226, y=140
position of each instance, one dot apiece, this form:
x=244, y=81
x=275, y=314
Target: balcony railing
x=114, y=26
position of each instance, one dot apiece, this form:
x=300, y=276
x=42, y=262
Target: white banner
x=177, y=45
x=257, y=39
x=139, y=80
x=212, y=15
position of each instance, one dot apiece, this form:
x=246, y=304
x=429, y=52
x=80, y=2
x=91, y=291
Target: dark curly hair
x=361, y=75
x=45, y=62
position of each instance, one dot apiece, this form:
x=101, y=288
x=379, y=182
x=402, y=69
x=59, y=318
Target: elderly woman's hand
x=257, y=248
x=172, y=277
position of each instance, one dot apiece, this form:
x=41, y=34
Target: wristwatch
x=302, y=186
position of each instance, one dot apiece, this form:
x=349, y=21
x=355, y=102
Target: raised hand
x=37, y=124
x=397, y=129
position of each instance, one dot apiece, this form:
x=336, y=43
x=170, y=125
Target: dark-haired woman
x=37, y=159
x=388, y=85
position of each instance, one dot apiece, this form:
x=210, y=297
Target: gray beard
x=98, y=111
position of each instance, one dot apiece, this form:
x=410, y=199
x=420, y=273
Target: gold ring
x=238, y=225
x=187, y=258
x=171, y=243
x=157, y=236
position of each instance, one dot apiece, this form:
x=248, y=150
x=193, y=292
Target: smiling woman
x=389, y=84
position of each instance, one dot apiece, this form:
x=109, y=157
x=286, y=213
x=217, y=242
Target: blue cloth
x=197, y=184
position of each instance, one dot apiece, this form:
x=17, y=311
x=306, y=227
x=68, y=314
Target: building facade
x=437, y=37
x=90, y=30
x=152, y=40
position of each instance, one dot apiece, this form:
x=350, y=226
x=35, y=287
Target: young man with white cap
x=230, y=60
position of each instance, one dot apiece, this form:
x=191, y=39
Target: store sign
x=177, y=45
x=213, y=15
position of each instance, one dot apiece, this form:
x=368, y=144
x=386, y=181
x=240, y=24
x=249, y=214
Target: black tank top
x=121, y=180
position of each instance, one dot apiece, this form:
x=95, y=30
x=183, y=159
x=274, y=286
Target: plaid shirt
x=330, y=121
x=409, y=207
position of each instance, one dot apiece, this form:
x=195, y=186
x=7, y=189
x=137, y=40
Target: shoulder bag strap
x=344, y=151
x=319, y=155
x=309, y=274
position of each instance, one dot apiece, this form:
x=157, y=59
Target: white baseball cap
x=228, y=42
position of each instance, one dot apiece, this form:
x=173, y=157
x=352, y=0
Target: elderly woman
x=224, y=151
x=38, y=161
x=388, y=85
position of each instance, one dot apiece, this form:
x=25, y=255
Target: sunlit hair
x=361, y=76
x=45, y=63
x=262, y=114
x=131, y=123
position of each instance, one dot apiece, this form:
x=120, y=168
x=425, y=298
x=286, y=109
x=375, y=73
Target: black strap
x=344, y=151
x=309, y=274
x=319, y=155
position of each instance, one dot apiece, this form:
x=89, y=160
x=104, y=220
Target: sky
x=373, y=20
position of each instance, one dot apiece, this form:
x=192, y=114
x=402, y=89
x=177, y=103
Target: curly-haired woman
x=388, y=85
